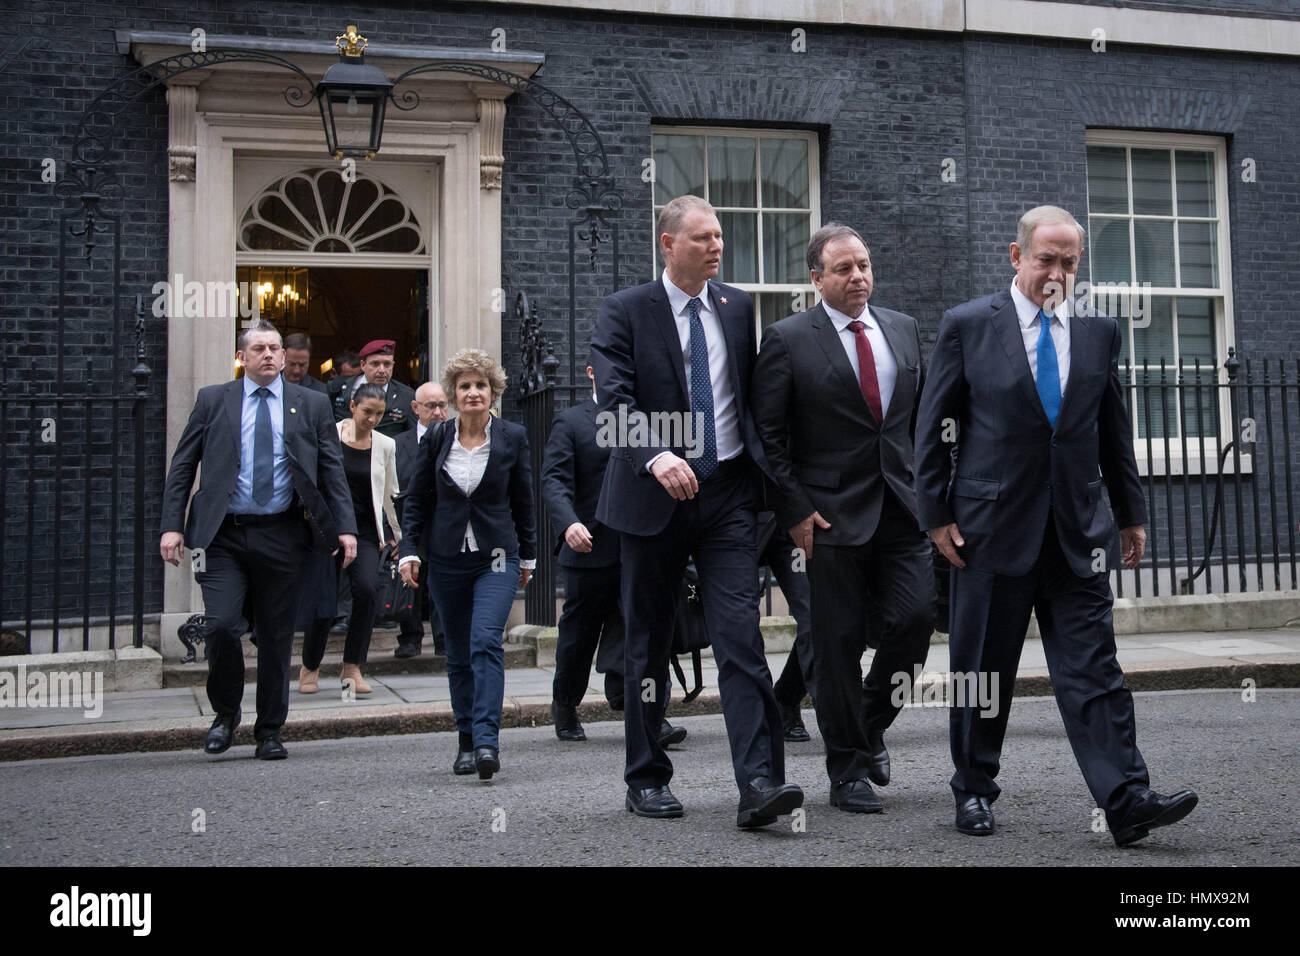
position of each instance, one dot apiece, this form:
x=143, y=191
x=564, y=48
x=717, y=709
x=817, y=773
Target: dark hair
x=827, y=233
x=346, y=358
x=299, y=340
x=257, y=325
x=366, y=391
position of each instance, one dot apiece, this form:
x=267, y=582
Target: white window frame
x=814, y=203
x=1200, y=451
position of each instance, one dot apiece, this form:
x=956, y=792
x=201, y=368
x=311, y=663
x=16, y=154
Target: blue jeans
x=474, y=602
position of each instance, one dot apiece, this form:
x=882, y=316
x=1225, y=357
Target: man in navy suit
x=247, y=519
x=1030, y=393
x=673, y=360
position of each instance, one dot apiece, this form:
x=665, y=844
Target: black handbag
x=395, y=601
x=690, y=635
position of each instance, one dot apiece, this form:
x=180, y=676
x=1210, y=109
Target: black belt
x=727, y=469
x=253, y=521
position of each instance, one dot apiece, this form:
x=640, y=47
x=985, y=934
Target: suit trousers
x=886, y=583
x=989, y=617
x=474, y=592
x=362, y=576
x=717, y=526
x=797, y=674
x=592, y=616
x=262, y=566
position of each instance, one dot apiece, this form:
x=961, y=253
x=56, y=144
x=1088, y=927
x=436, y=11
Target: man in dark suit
x=377, y=369
x=573, y=470
x=835, y=392
x=430, y=407
x=297, y=363
x=246, y=519
x=1030, y=393
x=673, y=360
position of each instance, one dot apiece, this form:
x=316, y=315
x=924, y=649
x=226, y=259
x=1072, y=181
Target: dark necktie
x=702, y=395
x=263, y=449
x=867, y=380
x=1049, y=374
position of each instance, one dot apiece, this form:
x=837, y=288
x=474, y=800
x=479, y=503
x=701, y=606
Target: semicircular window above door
x=318, y=210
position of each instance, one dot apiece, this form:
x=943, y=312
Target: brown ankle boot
x=308, y=681
x=353, y=673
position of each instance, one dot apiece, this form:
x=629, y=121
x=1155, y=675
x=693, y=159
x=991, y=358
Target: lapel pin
x=724, y=301
x=293, y=411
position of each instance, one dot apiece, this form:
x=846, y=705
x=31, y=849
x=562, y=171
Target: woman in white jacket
x=370, y=461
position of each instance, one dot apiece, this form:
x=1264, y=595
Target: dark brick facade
x=889, y=107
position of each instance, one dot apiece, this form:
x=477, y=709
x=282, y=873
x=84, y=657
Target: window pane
x=1110, y=250
x=1154, y=252
x=1198, y=257
x=1195, y=331
x=785, y=246
x=1151, y=192
x=1151, y=344
x=775, y=306
x=785, y=173
x=1195, y=183
x=740, y=252
x=731, y=171
x=679, y=166
x=1107, y=179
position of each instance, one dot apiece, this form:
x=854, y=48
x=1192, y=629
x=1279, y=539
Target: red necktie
x=867, y=369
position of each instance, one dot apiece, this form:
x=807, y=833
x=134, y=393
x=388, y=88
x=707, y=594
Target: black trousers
x=362, y=576
x=592, y=617
x=990, y=614
x=886, y=585
x=717, y=527
x=262, y=566
x=797, y=674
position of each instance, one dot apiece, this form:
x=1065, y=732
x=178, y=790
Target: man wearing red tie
x=835, y=392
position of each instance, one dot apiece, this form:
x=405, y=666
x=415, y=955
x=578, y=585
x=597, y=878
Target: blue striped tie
x=1049, y=374
x=702, y=395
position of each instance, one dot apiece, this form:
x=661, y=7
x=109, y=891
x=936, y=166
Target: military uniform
x=398, y=416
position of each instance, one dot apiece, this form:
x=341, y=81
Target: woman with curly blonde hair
x=470, y=503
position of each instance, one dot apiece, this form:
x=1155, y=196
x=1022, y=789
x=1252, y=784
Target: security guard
x=377, y=369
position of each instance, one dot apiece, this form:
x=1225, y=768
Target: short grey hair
x=828, y=233
x=673, y=214
x=1041, y=216
x=257, y=325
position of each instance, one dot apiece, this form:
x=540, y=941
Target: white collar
x=276, y=387
x=487, y=429
x=679, y=300
x=842, y=320
x=1027, y=312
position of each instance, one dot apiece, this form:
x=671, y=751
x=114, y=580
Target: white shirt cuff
x=650, y=464
x=407, y=559
x=527, y=564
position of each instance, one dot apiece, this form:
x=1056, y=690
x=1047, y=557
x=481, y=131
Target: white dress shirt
x=726, y=410
x=886, y=365
x=1027, y=313
x=420, y=429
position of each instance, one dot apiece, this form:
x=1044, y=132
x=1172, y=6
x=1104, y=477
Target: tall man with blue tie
x=266, y=446
x=673, y=360
x=1030, y=393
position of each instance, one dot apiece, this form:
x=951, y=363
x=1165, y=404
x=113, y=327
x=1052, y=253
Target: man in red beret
x=377, y=369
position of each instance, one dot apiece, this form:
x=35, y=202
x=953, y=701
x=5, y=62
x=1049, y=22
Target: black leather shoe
x=878, y=768
x=464, y=763
x=567, y=726
x=407, y=649
x=220, y=735
x=1150, y=811
x=763, y=801
x=792, y=724
x=655, y=802
x=855, y=796
x=975, y=816
x=270, y=748
x=486, y=762
x=668, y=734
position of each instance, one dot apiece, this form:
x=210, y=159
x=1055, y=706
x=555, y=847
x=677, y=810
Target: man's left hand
x=524, y=575
x=348, y=542
x=1132, y=545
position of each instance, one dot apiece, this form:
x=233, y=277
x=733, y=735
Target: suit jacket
x=435, y=510
x=383, y=478
x=573, y=471
x=637, y=358
x=824, y=446
x=315, y=384
x=1011, y=465
x=211, y=438
x=398, y=415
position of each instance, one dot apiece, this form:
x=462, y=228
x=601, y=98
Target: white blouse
x=465, y=467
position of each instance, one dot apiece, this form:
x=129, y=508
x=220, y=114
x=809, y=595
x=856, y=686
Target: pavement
x=175, y=718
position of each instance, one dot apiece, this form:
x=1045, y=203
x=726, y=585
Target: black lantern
x=352, y=99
